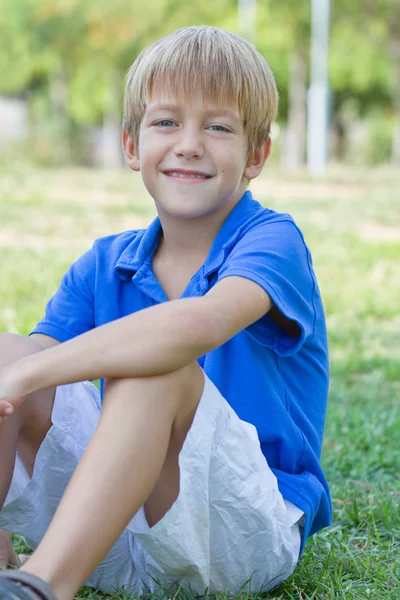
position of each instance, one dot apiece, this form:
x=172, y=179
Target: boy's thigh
x=229, y=522
x=36, y=413
x=33, y=418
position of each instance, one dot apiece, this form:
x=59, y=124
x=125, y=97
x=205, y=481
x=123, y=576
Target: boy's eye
x=165, y=123
x=218, y=128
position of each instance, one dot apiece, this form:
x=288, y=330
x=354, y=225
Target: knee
x=177, y=386
x=13, y=347
x=180, y=378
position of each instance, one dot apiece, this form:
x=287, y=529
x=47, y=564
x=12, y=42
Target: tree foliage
x=67, y=55
x=84, y=39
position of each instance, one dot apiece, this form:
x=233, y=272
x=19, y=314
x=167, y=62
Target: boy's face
x=193, y=157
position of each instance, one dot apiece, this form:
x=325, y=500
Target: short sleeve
x=274, y=255
x=71, y=310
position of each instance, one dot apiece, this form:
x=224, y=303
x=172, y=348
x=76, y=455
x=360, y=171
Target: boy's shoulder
x=249, y=216
x=254, y=229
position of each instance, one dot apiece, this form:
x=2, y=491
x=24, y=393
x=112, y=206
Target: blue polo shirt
x=274, y=376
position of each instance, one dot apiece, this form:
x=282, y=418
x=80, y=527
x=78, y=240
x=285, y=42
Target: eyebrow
x=215, y=111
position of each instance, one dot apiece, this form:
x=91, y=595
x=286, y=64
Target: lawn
x=351, y=222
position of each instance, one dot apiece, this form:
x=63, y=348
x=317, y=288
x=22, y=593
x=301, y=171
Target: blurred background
x=334, y=166
x=63, y=62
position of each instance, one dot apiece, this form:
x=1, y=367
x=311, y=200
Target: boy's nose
x=189, y=145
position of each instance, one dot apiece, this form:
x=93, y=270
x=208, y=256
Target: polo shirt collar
x=230, y=231
x=142, y=248
x=139, y=251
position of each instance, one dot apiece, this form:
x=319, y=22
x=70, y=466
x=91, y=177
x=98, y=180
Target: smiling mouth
x=187, y=175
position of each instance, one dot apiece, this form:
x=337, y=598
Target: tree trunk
x=296, y=127
x=59, y=100
x=394, y=50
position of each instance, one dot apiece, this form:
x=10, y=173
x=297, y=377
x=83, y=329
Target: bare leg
x=8, y=558
x=24, y=430
x=131, y=460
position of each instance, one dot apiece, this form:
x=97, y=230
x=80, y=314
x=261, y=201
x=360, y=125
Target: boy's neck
x=178, y=257
x=191, y=239
x=185, y=241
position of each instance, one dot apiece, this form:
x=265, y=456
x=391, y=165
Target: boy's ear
x=130, y=151
x=258, y=160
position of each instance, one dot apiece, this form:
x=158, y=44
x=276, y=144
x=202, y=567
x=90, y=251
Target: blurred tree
x=393, y=20
x=364, y=62
x=284, y=38
x=365, y=57
x=16, y=56
x=68, y=57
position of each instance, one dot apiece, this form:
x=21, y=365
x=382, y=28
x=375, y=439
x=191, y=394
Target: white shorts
x=228, y=528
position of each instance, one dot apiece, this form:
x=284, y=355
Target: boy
x=201, y=463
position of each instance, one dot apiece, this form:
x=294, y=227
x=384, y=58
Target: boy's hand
x=11, y=391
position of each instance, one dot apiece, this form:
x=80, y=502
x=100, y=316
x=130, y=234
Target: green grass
x=351, y=221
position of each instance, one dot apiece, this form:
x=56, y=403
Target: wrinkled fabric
x=228, y=526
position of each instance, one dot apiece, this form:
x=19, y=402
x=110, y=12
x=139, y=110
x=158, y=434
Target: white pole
x=247, y=19
x=318, y=94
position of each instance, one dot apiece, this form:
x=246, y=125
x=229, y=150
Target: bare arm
x=153, y=341
x=44, y=340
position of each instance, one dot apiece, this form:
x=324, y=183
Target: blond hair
x=225, y=67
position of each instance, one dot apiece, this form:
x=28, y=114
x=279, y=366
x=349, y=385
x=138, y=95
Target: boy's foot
x=18, y=585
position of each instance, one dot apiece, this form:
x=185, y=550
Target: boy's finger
x=5, y=412
x=6, y=408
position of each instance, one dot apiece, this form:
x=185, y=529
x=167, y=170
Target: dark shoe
x=19, y=585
